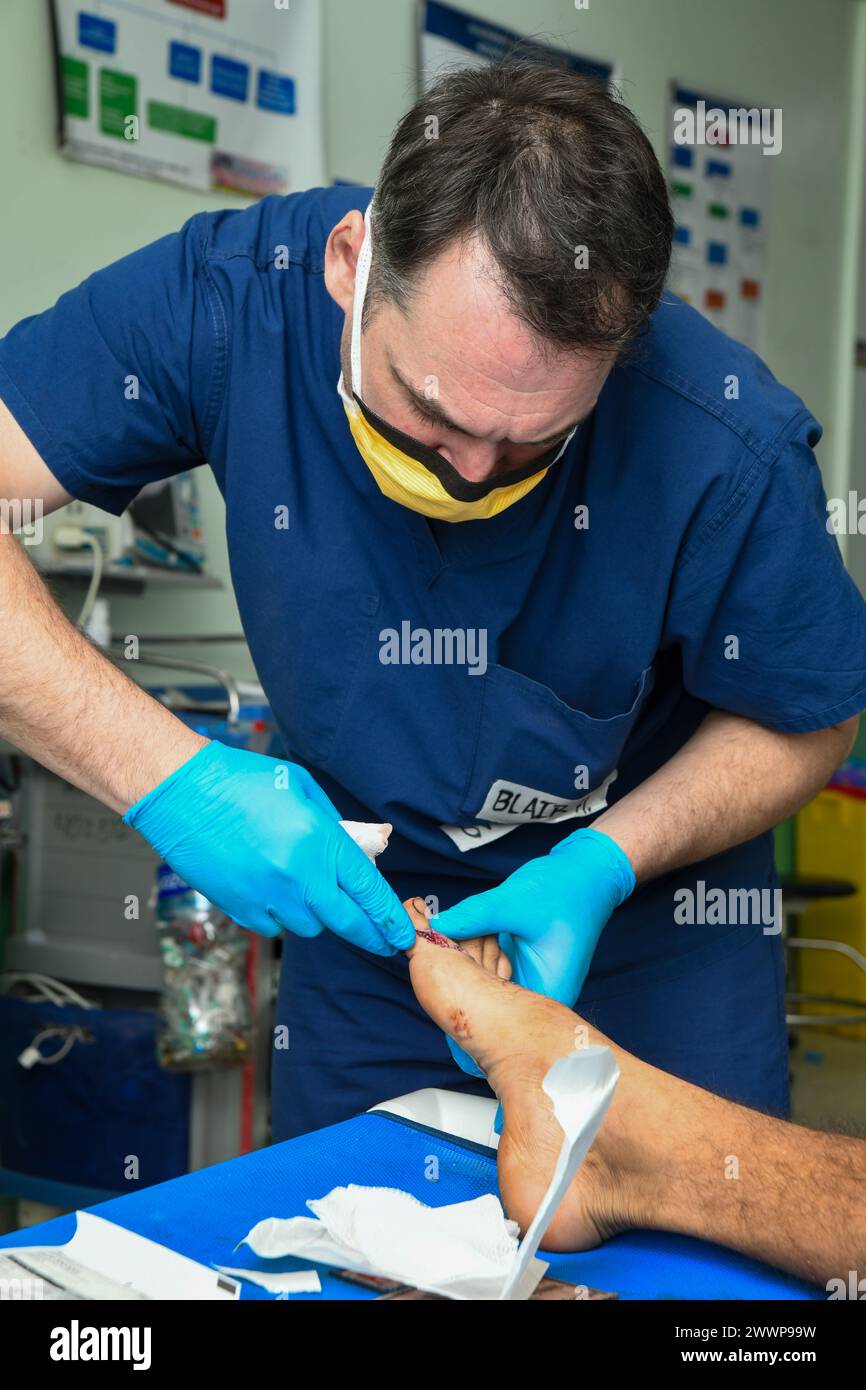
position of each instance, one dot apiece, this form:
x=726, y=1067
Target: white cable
x=73, y=538
x=95, y=581
x=44, y=987
x=32, y=1055
x=38, y=986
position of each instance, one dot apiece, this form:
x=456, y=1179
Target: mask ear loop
x=565, y=444
x=362, y=276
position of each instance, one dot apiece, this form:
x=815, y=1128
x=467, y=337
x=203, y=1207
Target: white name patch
x=509, y=804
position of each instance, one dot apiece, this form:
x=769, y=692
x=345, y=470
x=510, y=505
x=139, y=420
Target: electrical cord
x=42, y=988
x=33, y=1055
x=95, y=581
x=73, y=538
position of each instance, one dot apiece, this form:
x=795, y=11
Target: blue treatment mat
x=205, y=1214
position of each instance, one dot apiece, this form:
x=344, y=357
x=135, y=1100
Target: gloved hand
x=548, y=915
x=262, y=841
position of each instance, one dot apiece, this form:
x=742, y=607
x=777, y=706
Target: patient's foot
x=515, y=1036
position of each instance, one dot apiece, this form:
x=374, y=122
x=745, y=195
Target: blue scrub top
x=706, y=576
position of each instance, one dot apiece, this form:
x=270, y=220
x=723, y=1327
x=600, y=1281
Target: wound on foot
x=436, y=938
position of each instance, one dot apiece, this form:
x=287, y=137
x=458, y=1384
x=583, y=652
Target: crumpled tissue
x=464, y=1250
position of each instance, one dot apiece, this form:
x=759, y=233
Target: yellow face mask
x=411, y=473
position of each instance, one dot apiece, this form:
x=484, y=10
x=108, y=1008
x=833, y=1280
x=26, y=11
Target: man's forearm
x=733, y=780
x=66, y=705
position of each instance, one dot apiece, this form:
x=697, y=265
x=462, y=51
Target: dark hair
x=535, y=160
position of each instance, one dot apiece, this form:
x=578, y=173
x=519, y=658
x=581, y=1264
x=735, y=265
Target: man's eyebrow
x=426, y=404
x=431, y=408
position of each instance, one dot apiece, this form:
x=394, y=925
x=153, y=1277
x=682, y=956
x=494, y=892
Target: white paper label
x=509, y=804
x=468, y=837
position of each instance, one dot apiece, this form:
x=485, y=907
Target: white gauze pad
x=371, y=838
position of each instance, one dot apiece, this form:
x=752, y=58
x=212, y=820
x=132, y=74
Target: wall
x=62, y=220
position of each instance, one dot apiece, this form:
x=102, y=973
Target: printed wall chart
x=206, y=93
x=451, y=37
x=720, y=192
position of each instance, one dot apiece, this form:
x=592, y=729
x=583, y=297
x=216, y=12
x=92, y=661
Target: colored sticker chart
x=205, y=93
x=720, y=194
x=451, y=37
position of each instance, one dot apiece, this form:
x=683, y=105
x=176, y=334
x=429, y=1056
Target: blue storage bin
x=80, y=1120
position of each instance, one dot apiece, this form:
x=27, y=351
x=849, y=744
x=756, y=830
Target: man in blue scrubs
x=532, y=562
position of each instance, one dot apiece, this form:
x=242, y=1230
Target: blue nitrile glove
x=548, y=916
x=261, y=840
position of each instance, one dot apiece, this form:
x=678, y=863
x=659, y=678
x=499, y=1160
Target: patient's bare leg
x=669, y=1155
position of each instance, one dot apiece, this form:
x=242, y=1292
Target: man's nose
x=476, y=461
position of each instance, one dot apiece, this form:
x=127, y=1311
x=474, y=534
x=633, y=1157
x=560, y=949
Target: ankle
x=640, y=1145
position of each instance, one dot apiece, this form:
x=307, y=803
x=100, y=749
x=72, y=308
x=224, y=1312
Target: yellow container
x=831, y=843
